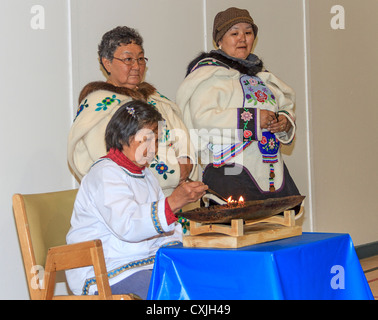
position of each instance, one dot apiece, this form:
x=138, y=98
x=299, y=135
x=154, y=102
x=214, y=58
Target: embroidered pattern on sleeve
x=247, y=122
x=155, y=217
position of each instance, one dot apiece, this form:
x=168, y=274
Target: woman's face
x=237, y=42
x=122, y=75
x=143, y=146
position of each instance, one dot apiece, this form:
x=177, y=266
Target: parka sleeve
x=285, y=97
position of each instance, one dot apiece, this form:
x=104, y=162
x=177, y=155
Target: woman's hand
x=267, y=118
x=185, y=168
x=269, y=121
x=185, y=193
x=283, y=124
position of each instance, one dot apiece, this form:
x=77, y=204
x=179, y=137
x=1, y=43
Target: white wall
x=172, y=31
x=40, y=86
x=35, y=98
x=343, y=68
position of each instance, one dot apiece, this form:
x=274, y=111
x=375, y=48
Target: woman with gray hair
x=122, y=56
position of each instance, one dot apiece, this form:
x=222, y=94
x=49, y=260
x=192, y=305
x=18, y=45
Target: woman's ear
x=106, y=64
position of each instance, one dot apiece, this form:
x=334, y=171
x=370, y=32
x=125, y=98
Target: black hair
x=127, y=121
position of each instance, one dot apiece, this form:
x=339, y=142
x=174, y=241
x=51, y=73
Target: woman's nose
x=242, y=37
x=135, y=64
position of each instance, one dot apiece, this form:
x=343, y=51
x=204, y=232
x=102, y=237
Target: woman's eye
x=128, y=59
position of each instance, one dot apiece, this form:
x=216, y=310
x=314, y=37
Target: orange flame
x=230, y=200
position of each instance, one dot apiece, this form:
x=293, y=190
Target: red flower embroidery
x=263, y=140
x=261, y=96
x=247, y=134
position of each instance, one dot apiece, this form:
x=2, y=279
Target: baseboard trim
x=367, y=250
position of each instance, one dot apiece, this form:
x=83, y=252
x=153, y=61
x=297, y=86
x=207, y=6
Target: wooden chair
x=43, y=221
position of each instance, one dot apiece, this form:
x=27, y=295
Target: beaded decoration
x=271, y=179
x=131, y=111
x=269, y=146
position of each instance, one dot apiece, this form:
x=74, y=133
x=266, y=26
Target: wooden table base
x=240, y=233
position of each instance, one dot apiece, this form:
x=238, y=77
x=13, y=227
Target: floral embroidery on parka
x=106, y=102
x=258, y=92
x=161, y=168
x=162, y=96
x=152, y=102
x=246, y=116
x=81, y=108
x=185, y=223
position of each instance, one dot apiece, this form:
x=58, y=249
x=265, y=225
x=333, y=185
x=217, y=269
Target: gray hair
x=112, y=39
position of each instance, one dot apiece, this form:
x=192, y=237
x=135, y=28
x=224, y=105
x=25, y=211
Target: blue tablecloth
x=310, y=266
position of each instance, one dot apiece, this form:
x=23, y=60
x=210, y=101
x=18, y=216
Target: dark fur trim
x=142, y=93
x=252, y=71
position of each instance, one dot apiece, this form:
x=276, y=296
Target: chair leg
x=48, y=283
x=101, y=274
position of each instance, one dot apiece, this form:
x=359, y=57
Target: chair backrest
x=43, y=221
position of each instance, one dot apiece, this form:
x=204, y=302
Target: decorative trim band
x=155, y=217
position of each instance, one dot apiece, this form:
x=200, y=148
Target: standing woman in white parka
x=239, y=114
